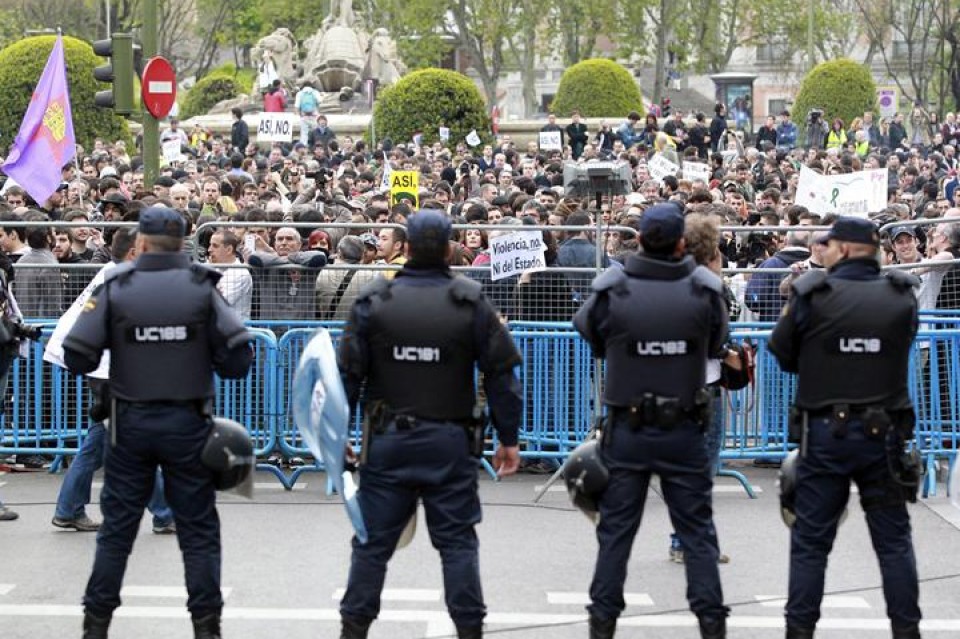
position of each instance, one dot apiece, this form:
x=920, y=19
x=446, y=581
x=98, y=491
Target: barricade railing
x=46, y=407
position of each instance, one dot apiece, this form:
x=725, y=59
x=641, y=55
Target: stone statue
x=279, y=49
x=341, y=13
x=383, y=63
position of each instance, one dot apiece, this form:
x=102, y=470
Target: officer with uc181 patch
x=656, y=322
x=414, y=341
x=168, y=329
x=847, y=334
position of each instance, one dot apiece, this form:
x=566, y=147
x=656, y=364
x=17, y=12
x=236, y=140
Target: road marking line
x=829, y=601
x=503, y=619
x=556, y=488
x=6, y=588
x=2, y=484
x=275, y=485
x=172, y=592
x=583, y=598
x=399, y=594
x=734, y=488
x=258, y=485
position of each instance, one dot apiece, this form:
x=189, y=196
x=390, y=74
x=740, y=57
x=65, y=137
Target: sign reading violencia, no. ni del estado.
x=515, y=253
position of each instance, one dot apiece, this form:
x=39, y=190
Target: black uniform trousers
x=680, y=459
x=171, y=436
x=823, y=488
x=430, y=461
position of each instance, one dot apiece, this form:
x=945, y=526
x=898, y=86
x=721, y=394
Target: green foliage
x=245, y=78
x=427, y=99
x=21, y=65
x=598, y=88
x=207, y=92
x=842, y=88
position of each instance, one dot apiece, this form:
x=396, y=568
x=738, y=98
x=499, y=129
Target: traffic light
x=120, y=49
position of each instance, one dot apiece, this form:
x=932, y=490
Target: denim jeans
x=75, y=490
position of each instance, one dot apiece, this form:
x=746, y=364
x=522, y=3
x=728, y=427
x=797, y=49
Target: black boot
x=913, y=632
x=602, y=629
x=713, y=628
x=207, y=627
x=469, y=632
x=95, y=627
x=793, y=632
x=353, y=629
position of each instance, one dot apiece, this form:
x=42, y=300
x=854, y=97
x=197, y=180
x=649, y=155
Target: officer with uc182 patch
x=168, y=329
x=847, y=334
x=656, y=322
x=414, y=341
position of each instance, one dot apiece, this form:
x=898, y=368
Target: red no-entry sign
x=158, y=87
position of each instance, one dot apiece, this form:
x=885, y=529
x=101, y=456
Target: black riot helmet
x=586, y=477
x=228, y=453
x=788, y=488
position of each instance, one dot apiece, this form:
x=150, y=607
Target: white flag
x=473, y=139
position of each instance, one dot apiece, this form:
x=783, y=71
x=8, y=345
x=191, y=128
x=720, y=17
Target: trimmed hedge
x=424, y=100
x=207, y=92
x=842, y=88
x=21, y=65
x=597, y=88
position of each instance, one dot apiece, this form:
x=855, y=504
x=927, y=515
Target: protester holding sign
x=554, y=137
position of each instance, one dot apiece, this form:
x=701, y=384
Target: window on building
x=772, y=53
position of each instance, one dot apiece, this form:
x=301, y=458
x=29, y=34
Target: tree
x=597, y=88
x=906, y=34
x=842, y=88
x=574, y=27
x=422, y=101
x=21, y=65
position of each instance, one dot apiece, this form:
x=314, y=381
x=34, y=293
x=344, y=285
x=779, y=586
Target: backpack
x=308, y=102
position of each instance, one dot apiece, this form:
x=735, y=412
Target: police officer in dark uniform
x=656, y=321
x=414, y=341
x=847, y=334
x=168, y=329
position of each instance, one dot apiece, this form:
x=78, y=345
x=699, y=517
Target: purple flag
x=45, y=141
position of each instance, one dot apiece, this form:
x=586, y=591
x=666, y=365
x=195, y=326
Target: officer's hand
x=506, y=460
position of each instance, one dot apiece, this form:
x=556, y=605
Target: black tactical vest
x=658, y=339
x=422, y=351
x=159, y=345
x=856, y=346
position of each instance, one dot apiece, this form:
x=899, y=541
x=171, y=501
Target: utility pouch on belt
x=838, y=421
x=876, y=423
x=795, y=425
x=909, y=474
x=477, y=430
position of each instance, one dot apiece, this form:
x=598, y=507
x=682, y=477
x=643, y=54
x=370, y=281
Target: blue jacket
x=763, y=291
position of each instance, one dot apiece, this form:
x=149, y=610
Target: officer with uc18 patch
x=656, y=322
x=168, y=330
x=847, y=334
x=414, y=341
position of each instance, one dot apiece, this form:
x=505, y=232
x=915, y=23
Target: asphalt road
x=286, y=556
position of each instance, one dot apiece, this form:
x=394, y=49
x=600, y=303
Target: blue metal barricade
x=46, y=406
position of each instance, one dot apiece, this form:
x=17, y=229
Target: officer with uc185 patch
x=414, y=341
x=847, y=334
x=656, y=322
x=168, y=329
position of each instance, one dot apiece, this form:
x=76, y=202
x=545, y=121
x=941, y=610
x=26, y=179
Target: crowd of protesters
x=223, y=180
x=329, y=189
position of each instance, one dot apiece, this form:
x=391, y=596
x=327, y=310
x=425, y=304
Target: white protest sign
x=171, y=150
x=550, y=141
x=275, y=127
x=660, y=167
x=514, y=253
x=694, y=171
x=385, y=181
x=858, y=193
x=445, y=134
x=473, y=139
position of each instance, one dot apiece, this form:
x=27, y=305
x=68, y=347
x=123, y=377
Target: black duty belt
x=661, y=417
x=403, y=423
